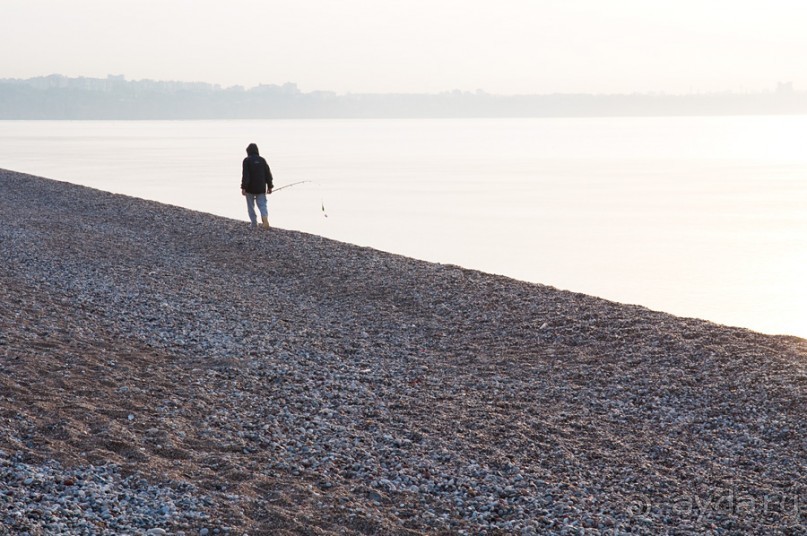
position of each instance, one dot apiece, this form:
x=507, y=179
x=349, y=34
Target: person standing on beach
x=256, y=183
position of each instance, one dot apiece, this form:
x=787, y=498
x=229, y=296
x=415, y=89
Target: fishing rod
x=289, y=185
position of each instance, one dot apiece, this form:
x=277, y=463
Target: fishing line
x=322, y=201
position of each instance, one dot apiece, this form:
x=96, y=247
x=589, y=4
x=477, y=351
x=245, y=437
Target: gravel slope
x=168, y=370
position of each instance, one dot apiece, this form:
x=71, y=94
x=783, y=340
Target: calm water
x=702, y=217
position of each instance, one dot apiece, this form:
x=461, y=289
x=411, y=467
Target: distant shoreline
x=57, y=97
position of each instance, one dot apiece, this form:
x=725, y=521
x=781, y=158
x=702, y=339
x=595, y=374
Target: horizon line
x=781, y=88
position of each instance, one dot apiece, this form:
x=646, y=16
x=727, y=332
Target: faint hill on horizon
x=59, y=97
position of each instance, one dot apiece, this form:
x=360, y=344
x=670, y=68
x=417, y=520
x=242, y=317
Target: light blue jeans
x=251, y=200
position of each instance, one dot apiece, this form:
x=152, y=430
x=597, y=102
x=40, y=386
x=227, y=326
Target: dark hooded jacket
x=256, y=175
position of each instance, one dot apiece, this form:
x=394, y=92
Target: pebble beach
x=165, y=371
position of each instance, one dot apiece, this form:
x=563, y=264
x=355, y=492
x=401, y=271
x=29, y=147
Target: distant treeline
x=59, y=97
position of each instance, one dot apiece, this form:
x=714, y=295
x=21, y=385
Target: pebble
x=33, y=498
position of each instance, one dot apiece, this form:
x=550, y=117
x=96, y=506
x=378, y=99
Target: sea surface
x=698, y=216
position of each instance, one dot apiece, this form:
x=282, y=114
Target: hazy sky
x=501, y=46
